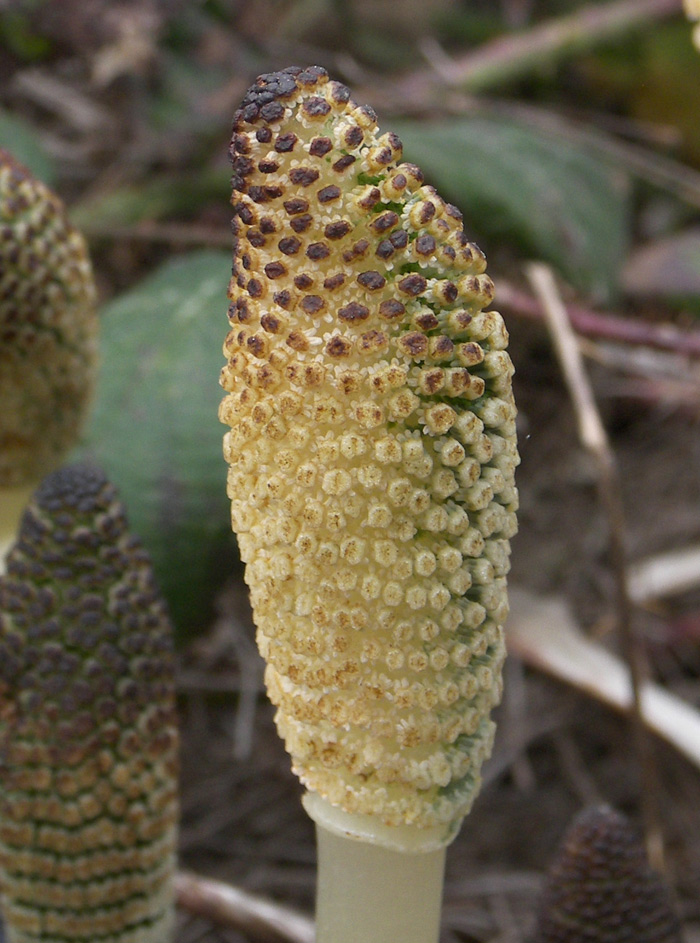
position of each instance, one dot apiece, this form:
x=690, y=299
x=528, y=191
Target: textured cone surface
x=372, y=452
x=88, y=743
x=600, y=888
x=48, y=325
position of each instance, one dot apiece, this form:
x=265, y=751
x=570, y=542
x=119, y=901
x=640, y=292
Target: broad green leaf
x=154, y=426
x=554, y=199
x=22, y=141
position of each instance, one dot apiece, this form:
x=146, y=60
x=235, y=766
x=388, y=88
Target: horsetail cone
x=372, y=454
x=88, y=742
x=48, y=325
x=600, y=888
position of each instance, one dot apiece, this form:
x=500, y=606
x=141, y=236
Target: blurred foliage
x=153, y=199
x=18, y=35
x=552, y=198
x=668, y=91
x=21, y=139
x=654, y=79
x=154, y=428
x=462, y=26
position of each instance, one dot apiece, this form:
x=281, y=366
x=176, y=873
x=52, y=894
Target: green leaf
x=181, y=101
x=154, y=426
x=554, y=199
x=18, y=35
x=22, y=141
x=157, y=198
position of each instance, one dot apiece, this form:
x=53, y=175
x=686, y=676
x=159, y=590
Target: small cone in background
x=600, y=888
x=88, y=736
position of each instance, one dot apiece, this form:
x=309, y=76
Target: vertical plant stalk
x=88, y=739
x=48, y=330
x=375, y=884
x=372, y=452
x=594, y=438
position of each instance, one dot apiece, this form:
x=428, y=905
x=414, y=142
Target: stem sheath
x=376, y=883
x=373, y=894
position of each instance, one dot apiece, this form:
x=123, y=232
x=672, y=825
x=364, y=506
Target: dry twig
x=543, y=633
x=76, y=109
x=231, y=906
x=594, y=439
x=513, y=56
x=665, y=575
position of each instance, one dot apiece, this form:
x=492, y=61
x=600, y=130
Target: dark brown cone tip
x=262, y=101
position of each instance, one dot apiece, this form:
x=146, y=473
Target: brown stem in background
x=169, y=232
x=594, y=439
x=607, y=326
x=230, y=906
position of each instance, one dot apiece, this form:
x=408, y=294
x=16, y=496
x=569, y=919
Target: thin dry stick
x=645, y=374
x=511, y=56
x=667, y=574
x=515, y=55
x=593, y=437
x=230, y=906
x=542, y=632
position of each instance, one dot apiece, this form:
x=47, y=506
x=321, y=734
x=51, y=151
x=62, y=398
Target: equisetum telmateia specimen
x=372, y=455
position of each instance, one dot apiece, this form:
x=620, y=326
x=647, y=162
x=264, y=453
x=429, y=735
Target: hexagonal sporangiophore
x=372, y=454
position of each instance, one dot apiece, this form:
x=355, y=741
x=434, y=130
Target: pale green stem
x=13, y=501
x=371, y=894
x=376, y=884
